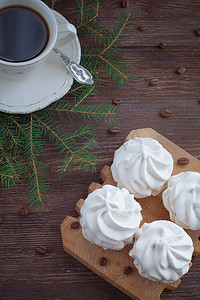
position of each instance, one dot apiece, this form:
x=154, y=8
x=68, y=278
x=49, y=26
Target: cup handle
x=66, y=33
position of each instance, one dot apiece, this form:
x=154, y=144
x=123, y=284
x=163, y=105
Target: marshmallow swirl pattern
x=110, y=217
x=162, y=251
x=142, y=166
x=182, y=199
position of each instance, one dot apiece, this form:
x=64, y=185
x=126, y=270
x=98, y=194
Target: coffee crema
x=24, y=34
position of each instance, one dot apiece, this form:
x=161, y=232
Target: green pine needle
x=22, y=136
x=38, y=183
x=65, y=143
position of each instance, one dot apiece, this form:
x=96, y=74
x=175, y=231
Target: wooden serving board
x=152, y=209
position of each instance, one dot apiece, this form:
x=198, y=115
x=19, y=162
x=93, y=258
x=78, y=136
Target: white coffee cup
x=59, y=35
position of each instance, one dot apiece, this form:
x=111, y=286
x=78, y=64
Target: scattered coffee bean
x=197, y=31
x=162, y=45
x=183, y=161
x=127, y=270
x=114, y=129
x=103, y=261
x=116, y=101
x=181, y=70
x=154, y=82
x=24, y=211
x=166, y=113
x=75, y=225
x=41, y=249
x=124, y=3
x=143, y=27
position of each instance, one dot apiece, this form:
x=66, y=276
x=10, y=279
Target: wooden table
x=25, y=274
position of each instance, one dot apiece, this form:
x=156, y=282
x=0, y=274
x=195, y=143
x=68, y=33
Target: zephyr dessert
x=162, y=251
x=142, y=166
x=182, y=199
x=110, y=217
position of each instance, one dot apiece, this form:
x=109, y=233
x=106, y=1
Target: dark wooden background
x=25, y=274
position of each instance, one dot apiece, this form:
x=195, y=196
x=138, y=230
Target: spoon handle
x=79, y=73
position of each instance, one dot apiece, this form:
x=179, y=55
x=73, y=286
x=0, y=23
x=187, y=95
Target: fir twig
x=83, y=96
x=9, y=135
x=104, y=113
x=113, y=37
x=38, y=184
x=9, y=161
x=86, y=12
x=105, y=53
x=23, y=134
x=64, y=144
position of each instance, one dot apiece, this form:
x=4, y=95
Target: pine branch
x=9, y=135
x=66, y=144
x=24, y=133
x=115, y=69
x=11, y=171
x=113, y=36
x=11, y=168
x=94, y=30
x=105, y=113
x=82, y=132
x=37, y=180
x=16, y=122
x=7, y=179
x=85, y=11
x=104, y=54
x=9, y=161
x=79, y=100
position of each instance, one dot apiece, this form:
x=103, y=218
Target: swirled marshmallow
x=110, y=217
x=162, y=251
x=142, y=166
x=182, y=199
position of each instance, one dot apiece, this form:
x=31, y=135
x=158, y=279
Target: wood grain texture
x=24, y=274
x=152, y=209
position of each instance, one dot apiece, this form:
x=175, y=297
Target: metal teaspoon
x=79, y=73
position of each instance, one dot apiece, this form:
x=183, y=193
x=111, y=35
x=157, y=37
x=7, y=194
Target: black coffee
x=24, y=34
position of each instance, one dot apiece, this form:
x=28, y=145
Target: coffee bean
x=75, y=225
x=24, y=211
x=127, y=270
x=154, y=82
x=162, y=45
x=197, y=31
x=166, y=113
x=103, y=261
x=41, y=249
x=116, y=101
x=114, y=129
x=181, y=70
x=183, y=161
x=143, y=27
x=124, y=3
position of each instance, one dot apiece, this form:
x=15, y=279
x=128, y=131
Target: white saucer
x=43, y=87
